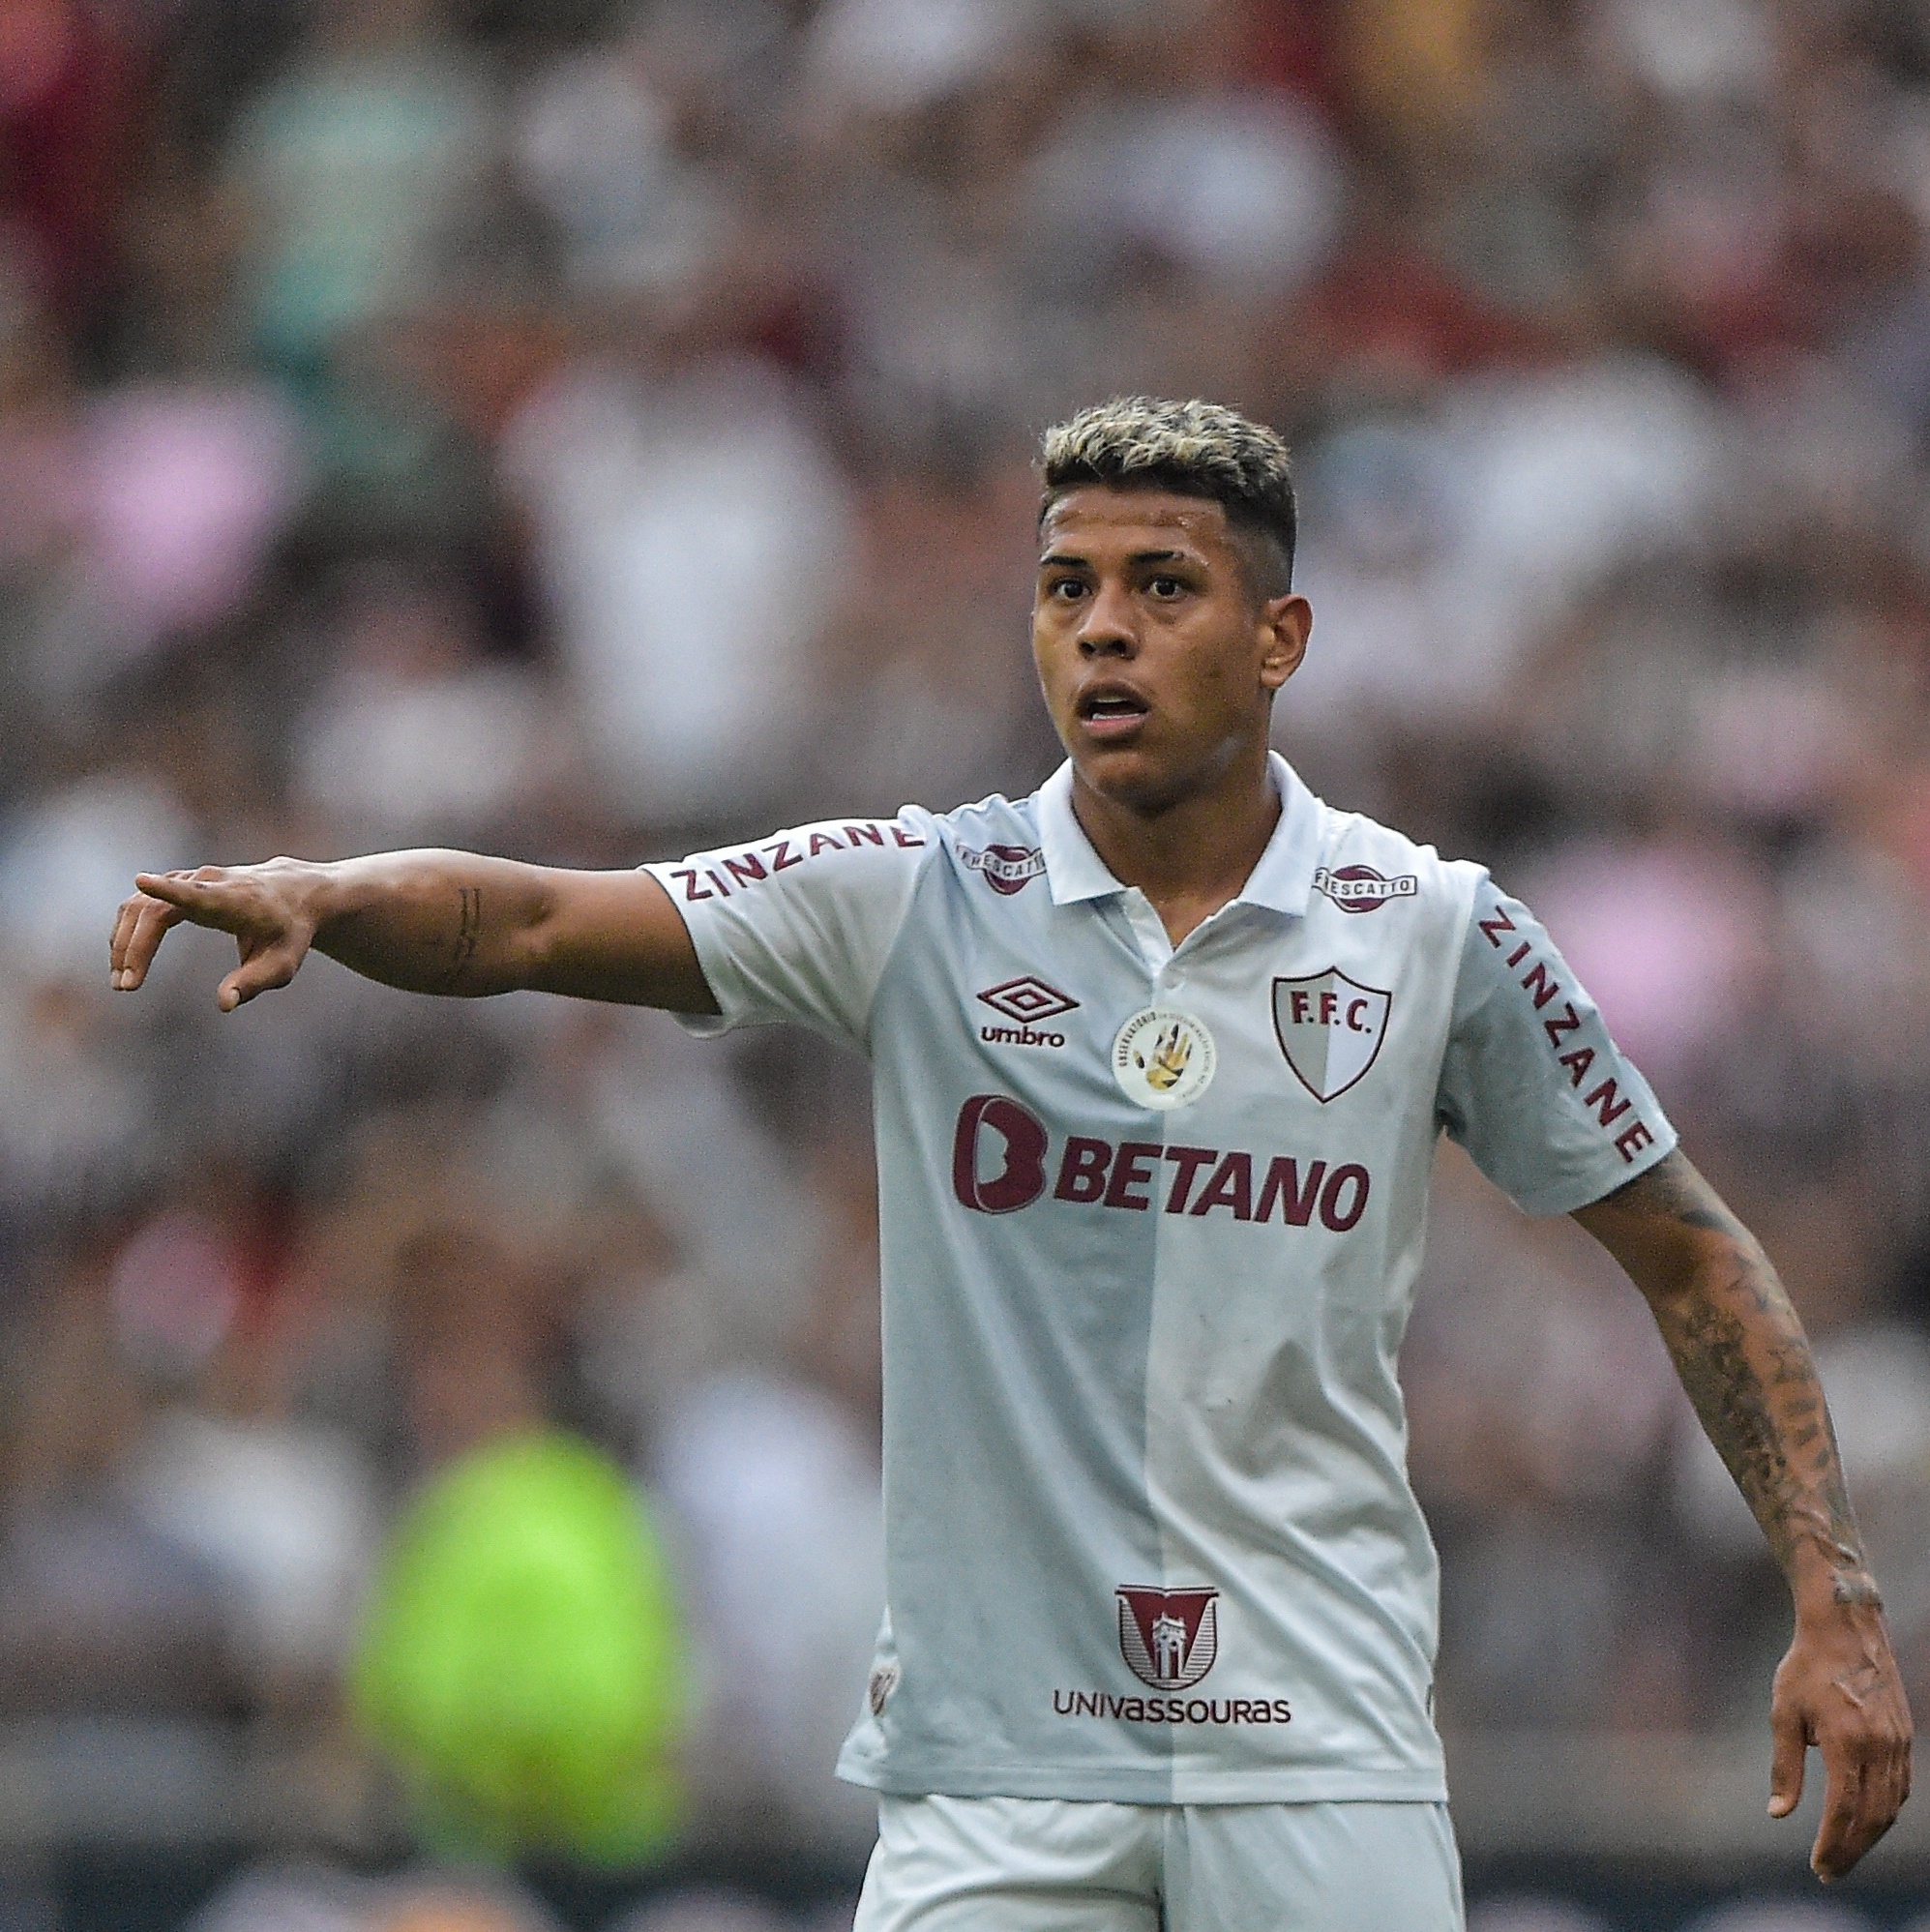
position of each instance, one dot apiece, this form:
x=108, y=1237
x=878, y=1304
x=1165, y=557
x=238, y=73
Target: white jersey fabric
x=1150, y=1535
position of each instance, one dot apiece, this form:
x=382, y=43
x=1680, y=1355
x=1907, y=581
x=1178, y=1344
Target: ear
x=1286, y=625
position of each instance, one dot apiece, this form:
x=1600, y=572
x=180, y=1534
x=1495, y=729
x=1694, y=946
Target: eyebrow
x=1058, y=559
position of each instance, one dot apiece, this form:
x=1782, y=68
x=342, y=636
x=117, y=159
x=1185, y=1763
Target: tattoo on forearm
x=1765, y=1416
x=468, y=937
x=1672, y=1190
x=1741, y=1352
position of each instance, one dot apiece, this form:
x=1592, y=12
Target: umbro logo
x=1027, y=999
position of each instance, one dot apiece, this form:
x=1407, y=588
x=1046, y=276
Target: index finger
x=177, y=888
x=210, y=897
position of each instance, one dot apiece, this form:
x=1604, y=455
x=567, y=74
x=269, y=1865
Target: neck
x=1189, y=856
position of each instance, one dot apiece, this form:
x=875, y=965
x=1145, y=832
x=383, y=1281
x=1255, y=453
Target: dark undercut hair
x=1192, y=449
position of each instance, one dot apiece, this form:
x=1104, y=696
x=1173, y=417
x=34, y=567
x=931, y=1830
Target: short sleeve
x=799, y=926
x=1532, y=1085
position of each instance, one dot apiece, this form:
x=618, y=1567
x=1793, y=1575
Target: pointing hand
x=266, y=907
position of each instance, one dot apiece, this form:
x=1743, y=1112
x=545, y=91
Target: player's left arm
x=1743, y=1358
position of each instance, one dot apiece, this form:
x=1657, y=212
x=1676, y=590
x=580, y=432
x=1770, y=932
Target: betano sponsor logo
x=1002, y=1160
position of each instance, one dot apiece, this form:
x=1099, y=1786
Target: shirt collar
x=1283, y=880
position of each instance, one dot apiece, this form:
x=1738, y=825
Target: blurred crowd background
x=590, y=430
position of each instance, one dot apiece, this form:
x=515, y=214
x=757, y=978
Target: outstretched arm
x=427, y=922
x=1743, y=1358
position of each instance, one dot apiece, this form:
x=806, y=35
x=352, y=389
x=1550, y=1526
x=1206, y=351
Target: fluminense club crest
x=1330, y=1028
x=1168, y=1638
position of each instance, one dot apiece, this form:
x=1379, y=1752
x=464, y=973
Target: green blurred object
x=522, y=1658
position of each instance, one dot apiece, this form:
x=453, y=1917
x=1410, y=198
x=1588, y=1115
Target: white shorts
x=1047, y=1865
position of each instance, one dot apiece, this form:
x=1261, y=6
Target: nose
x=1108, y=627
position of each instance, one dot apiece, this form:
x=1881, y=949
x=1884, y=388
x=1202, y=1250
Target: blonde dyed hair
x=1193, y=448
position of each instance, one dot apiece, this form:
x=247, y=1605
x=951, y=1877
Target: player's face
x=1157, y=654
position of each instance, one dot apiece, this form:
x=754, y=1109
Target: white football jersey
x=1151, y=1219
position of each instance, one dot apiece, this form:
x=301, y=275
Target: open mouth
x=1110, y=709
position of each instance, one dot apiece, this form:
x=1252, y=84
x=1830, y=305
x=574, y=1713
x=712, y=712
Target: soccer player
x=1160, y=1058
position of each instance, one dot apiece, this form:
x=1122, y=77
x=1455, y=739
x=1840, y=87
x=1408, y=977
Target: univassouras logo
x=1134, y=1710
x=1006, y=869
x=1168, y=1638
x=1359, y=888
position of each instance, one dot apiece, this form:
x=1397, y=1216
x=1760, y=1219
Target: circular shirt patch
x=1163, y=1059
